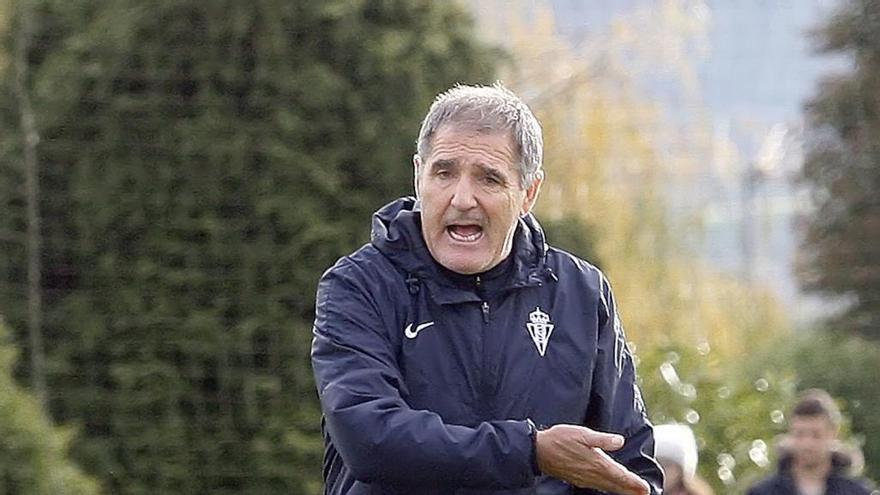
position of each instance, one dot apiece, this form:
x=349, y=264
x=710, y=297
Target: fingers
x=578, y=455
x=619, y=479
x=629, y=483
x=642, y=488
x=604, y=441
x=633, y=487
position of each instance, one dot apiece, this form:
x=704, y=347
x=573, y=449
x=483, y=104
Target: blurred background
x=176, y=175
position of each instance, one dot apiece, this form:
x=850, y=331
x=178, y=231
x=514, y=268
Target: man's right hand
x=577, y=455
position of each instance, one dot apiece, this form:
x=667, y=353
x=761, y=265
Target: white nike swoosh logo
x=412, y=333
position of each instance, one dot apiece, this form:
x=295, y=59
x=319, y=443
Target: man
x=810, y=462
x=457, y=353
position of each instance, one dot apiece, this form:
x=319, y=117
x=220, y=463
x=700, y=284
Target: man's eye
x=443, y=174
x=492, y=180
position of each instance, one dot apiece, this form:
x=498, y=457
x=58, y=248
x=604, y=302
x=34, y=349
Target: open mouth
x=465, y=233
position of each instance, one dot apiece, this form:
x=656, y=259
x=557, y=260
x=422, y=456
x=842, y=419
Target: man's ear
x=417, y=167
x=532, y=193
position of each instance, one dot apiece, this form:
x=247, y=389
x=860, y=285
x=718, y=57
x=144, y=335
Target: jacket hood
x=397, y=233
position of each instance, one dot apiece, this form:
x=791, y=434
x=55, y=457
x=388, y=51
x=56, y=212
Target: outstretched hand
x=577, y=454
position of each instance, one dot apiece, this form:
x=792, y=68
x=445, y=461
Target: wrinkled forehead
x=487, y=147
x=506, y=145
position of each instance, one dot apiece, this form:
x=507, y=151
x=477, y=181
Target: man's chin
x=463, y=259
x=811, y=462
x=463, y=269
x=463, y=265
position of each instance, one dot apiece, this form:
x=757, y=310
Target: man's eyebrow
x=491, y=171
x=442, y=163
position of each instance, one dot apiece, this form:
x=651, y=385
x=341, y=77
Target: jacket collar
x=397, y=233
x=841, y=463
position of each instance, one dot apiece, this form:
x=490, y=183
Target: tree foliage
x=202, y=163
x=33, y=452
x=840, y=248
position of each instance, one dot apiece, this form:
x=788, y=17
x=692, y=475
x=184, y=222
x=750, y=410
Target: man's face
x=812, y=439
x=471, y=196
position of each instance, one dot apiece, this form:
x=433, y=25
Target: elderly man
x=457, y=352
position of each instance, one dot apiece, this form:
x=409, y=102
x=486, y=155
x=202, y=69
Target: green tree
x=573, y=235
x=202, y=163
x=33, y=453
x=736, y=409
x=840, y=251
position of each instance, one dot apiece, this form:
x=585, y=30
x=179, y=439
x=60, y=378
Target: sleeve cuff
x=533, y=435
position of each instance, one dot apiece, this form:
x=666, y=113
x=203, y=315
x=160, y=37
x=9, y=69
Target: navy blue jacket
x=430, y=381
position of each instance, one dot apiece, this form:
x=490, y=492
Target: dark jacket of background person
x=412, y=407
x=840, y=482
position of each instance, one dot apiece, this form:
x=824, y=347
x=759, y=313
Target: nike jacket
x=432, y=382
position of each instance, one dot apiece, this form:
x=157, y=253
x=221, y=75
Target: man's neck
x=811, y=478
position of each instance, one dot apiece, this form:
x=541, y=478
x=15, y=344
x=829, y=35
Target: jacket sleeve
x=379, y=437
x=616, y=403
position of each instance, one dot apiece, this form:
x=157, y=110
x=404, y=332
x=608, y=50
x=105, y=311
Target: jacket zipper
x=484, y=307
x=485, y=381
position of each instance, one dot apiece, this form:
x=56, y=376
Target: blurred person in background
x=457, y=351
x=676, y=450
x=812, y=461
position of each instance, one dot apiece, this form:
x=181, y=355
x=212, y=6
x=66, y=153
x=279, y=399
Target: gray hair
x=487, y=108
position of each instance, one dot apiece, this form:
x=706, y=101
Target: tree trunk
x=30, y=138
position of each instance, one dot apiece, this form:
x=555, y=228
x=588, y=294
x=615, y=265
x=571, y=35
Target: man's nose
x=464, y=195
